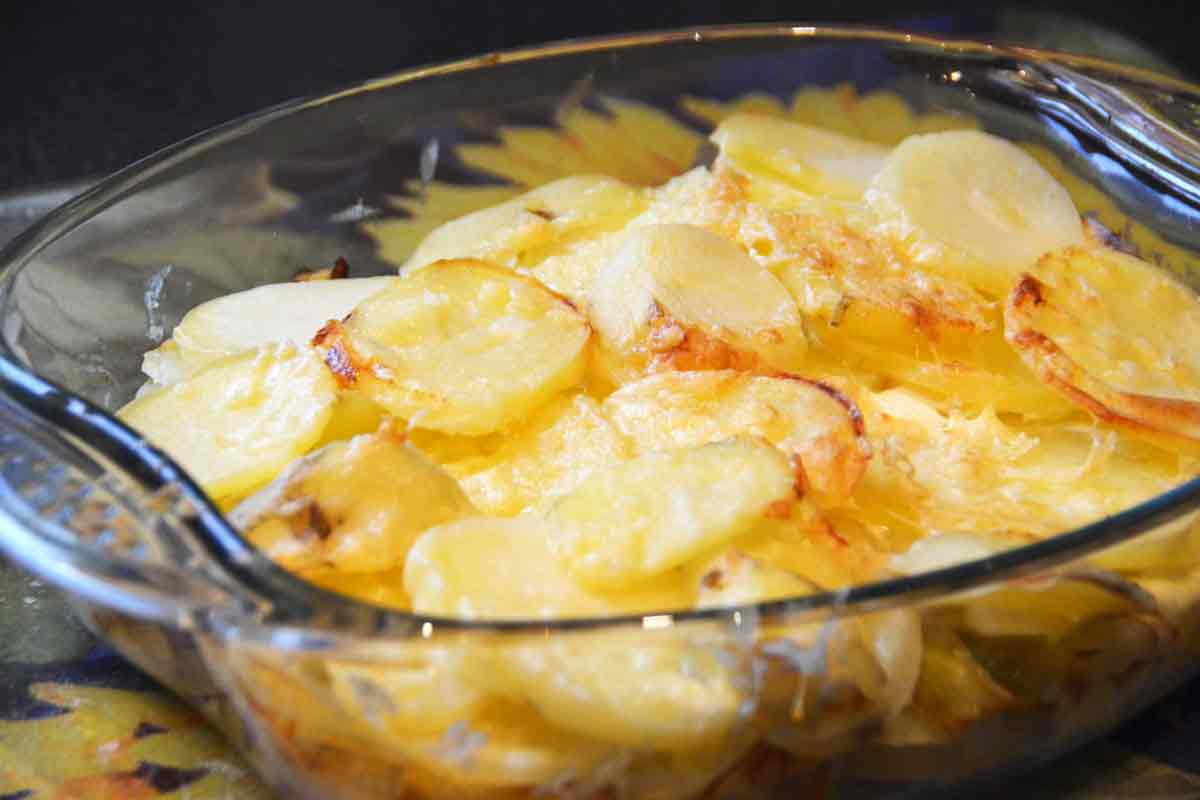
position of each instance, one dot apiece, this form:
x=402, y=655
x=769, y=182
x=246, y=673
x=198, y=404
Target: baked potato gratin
x=816, y=363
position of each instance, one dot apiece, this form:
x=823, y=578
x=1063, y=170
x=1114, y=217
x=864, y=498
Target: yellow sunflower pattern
x=104, y=744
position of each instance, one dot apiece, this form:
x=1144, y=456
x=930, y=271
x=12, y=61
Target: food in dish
x=816, y=363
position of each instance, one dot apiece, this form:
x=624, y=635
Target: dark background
x=88, y=87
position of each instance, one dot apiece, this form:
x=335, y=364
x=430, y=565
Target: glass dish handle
x=90, y=506
x=70, y=518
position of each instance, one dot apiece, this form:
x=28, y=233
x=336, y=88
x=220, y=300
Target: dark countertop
x=92, y=86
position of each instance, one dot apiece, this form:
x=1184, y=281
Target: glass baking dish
x=333, y=697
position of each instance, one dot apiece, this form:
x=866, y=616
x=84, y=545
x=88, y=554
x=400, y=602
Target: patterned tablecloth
x=76, y=721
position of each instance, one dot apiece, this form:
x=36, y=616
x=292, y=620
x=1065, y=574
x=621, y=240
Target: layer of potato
x=819, y=362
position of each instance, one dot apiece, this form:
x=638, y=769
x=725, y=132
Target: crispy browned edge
x=1051, y=364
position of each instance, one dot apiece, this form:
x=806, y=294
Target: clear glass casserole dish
x=331, y=697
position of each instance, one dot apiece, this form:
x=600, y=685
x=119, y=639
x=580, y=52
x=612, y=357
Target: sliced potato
x=815, y=160
x=523, y=231
x=667, y=281
x=1114, y=335
x=237, y=422
x=494, y=568
x=972, y=206
x=505, y=746
x=839, y=269
x=828, y=550
x=870, y=311
x=460, y=347
x=815, y=423
x=962, y=372
x=629, y=691
x=973, y=473
x=567, y=440
x=630, y=522
x=354, y=506
x=280, y=312
x=425, y=691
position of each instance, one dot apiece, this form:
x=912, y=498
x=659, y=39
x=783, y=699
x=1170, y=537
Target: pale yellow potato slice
x=628, y=523
x=353, y=506
x=280, y=312
x=668, y=281
x=972, y=206
x=460, y=347
x=652, y=692
x=1113, y=334
x=498, y=568
x=565, y=442
x=817, y=425
x=524, y=230
x=814, y=160
x=873, y=315
x=505, y=748
x=425, y=689
x=237, y=422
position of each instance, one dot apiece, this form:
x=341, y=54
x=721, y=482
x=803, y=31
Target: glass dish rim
x=891, y=592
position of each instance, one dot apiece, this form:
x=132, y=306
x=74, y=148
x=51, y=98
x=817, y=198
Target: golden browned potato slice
x=286, y=312
x=972, y=206
x=815, y=423
x=626, y=524
x=460, y=347
x=237, y=422
x=877, y=317
x=873, y=315
x=353, y=506
x=526, y=229
x=1113, y=334
x=814, y=160
x=679, y=296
